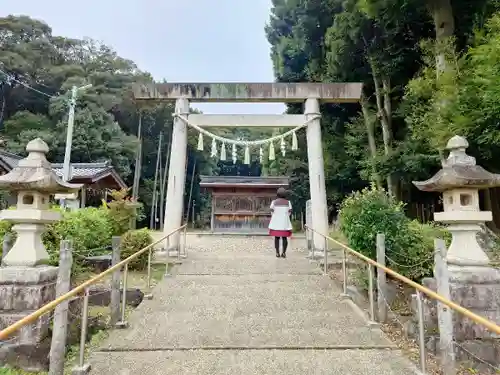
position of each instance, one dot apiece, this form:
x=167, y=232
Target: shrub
x=122, y=210
x=133, y=241
x=89, y=229
x=409, y=244
x=365, y=213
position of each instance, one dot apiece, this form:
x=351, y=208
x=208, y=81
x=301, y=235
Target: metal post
x=179, y=244
x=370, y=294
x=149, y=294
x=312, y=246
x=185, y=243
x=344, y=274
x=193, y=214
x=381, y=280
x=123, y=323
x=83, y=337
x=83, y=368
x=326, y=257
x=167, y=258
x=167, y=245
x=421, y=331
x=308, y=245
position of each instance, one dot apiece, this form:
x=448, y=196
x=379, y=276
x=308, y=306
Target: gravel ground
x=263, y=315
x=253, y=362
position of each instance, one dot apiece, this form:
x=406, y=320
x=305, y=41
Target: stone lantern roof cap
x=35, y=173
x=459, y=171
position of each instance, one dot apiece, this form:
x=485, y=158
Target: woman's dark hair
x=282, y=193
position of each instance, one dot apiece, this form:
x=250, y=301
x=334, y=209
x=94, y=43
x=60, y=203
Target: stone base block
x=28, y=357
x=478, y=290
x=478, y=354
x=22, y=291
x=101, y=296
x=487, y=350
x=83, y=370
x=316, y=254
x=121, y=325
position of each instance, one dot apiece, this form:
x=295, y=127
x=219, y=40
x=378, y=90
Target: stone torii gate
x=312, y=94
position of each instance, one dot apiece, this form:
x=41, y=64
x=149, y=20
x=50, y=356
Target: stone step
x=253, y=362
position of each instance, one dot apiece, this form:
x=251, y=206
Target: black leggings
x=277, y=243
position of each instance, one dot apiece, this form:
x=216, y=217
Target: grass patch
x=9, y=371
x=136, y=279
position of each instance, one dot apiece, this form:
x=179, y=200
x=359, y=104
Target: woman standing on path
x=280, y=225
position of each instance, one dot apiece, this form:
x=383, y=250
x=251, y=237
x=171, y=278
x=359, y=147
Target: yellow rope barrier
x=5, y=333
x=452, y=305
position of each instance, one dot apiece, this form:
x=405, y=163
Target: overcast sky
x=179, y=40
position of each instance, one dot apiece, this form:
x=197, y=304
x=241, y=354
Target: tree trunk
x=370, y=131
x=383, y=99
x=444, y=25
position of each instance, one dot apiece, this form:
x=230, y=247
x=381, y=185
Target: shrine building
x=240, y=204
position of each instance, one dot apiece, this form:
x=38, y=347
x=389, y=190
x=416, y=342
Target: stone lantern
x=27, y=282
x=34, y=182
x=459, y=181
x=474, y=284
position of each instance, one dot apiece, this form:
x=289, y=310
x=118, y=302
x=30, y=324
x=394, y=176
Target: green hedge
x=409, y=244
x=133, y=241
x=90, y=230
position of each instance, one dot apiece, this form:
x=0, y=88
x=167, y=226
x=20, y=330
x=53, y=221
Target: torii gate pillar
x=316, y=175
x=176, y=174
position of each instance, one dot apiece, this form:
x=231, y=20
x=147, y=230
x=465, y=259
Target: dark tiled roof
x=243, y=180
x=93, y=171
x=83, y=170
x=9, y=159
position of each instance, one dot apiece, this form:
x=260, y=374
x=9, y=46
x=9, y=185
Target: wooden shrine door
x=241, y=213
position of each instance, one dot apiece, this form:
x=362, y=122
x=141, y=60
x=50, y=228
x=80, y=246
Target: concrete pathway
x=232, y=308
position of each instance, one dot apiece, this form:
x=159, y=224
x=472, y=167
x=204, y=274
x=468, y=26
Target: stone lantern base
x=478, y=290
x=22, y=291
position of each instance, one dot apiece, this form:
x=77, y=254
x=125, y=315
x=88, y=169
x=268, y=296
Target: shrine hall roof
x=81, y=172
x=244, y=181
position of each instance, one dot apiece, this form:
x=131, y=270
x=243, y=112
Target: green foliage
x=368, y=212
x=356, y=40
x=133, y=241
x=409, y=244
x=461, y=100
x=297, y=226
x=106, y=117
x=5, y=227
x=90, y=230
x=121, y=211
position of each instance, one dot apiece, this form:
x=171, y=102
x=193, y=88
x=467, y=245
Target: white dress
x=280, y=224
